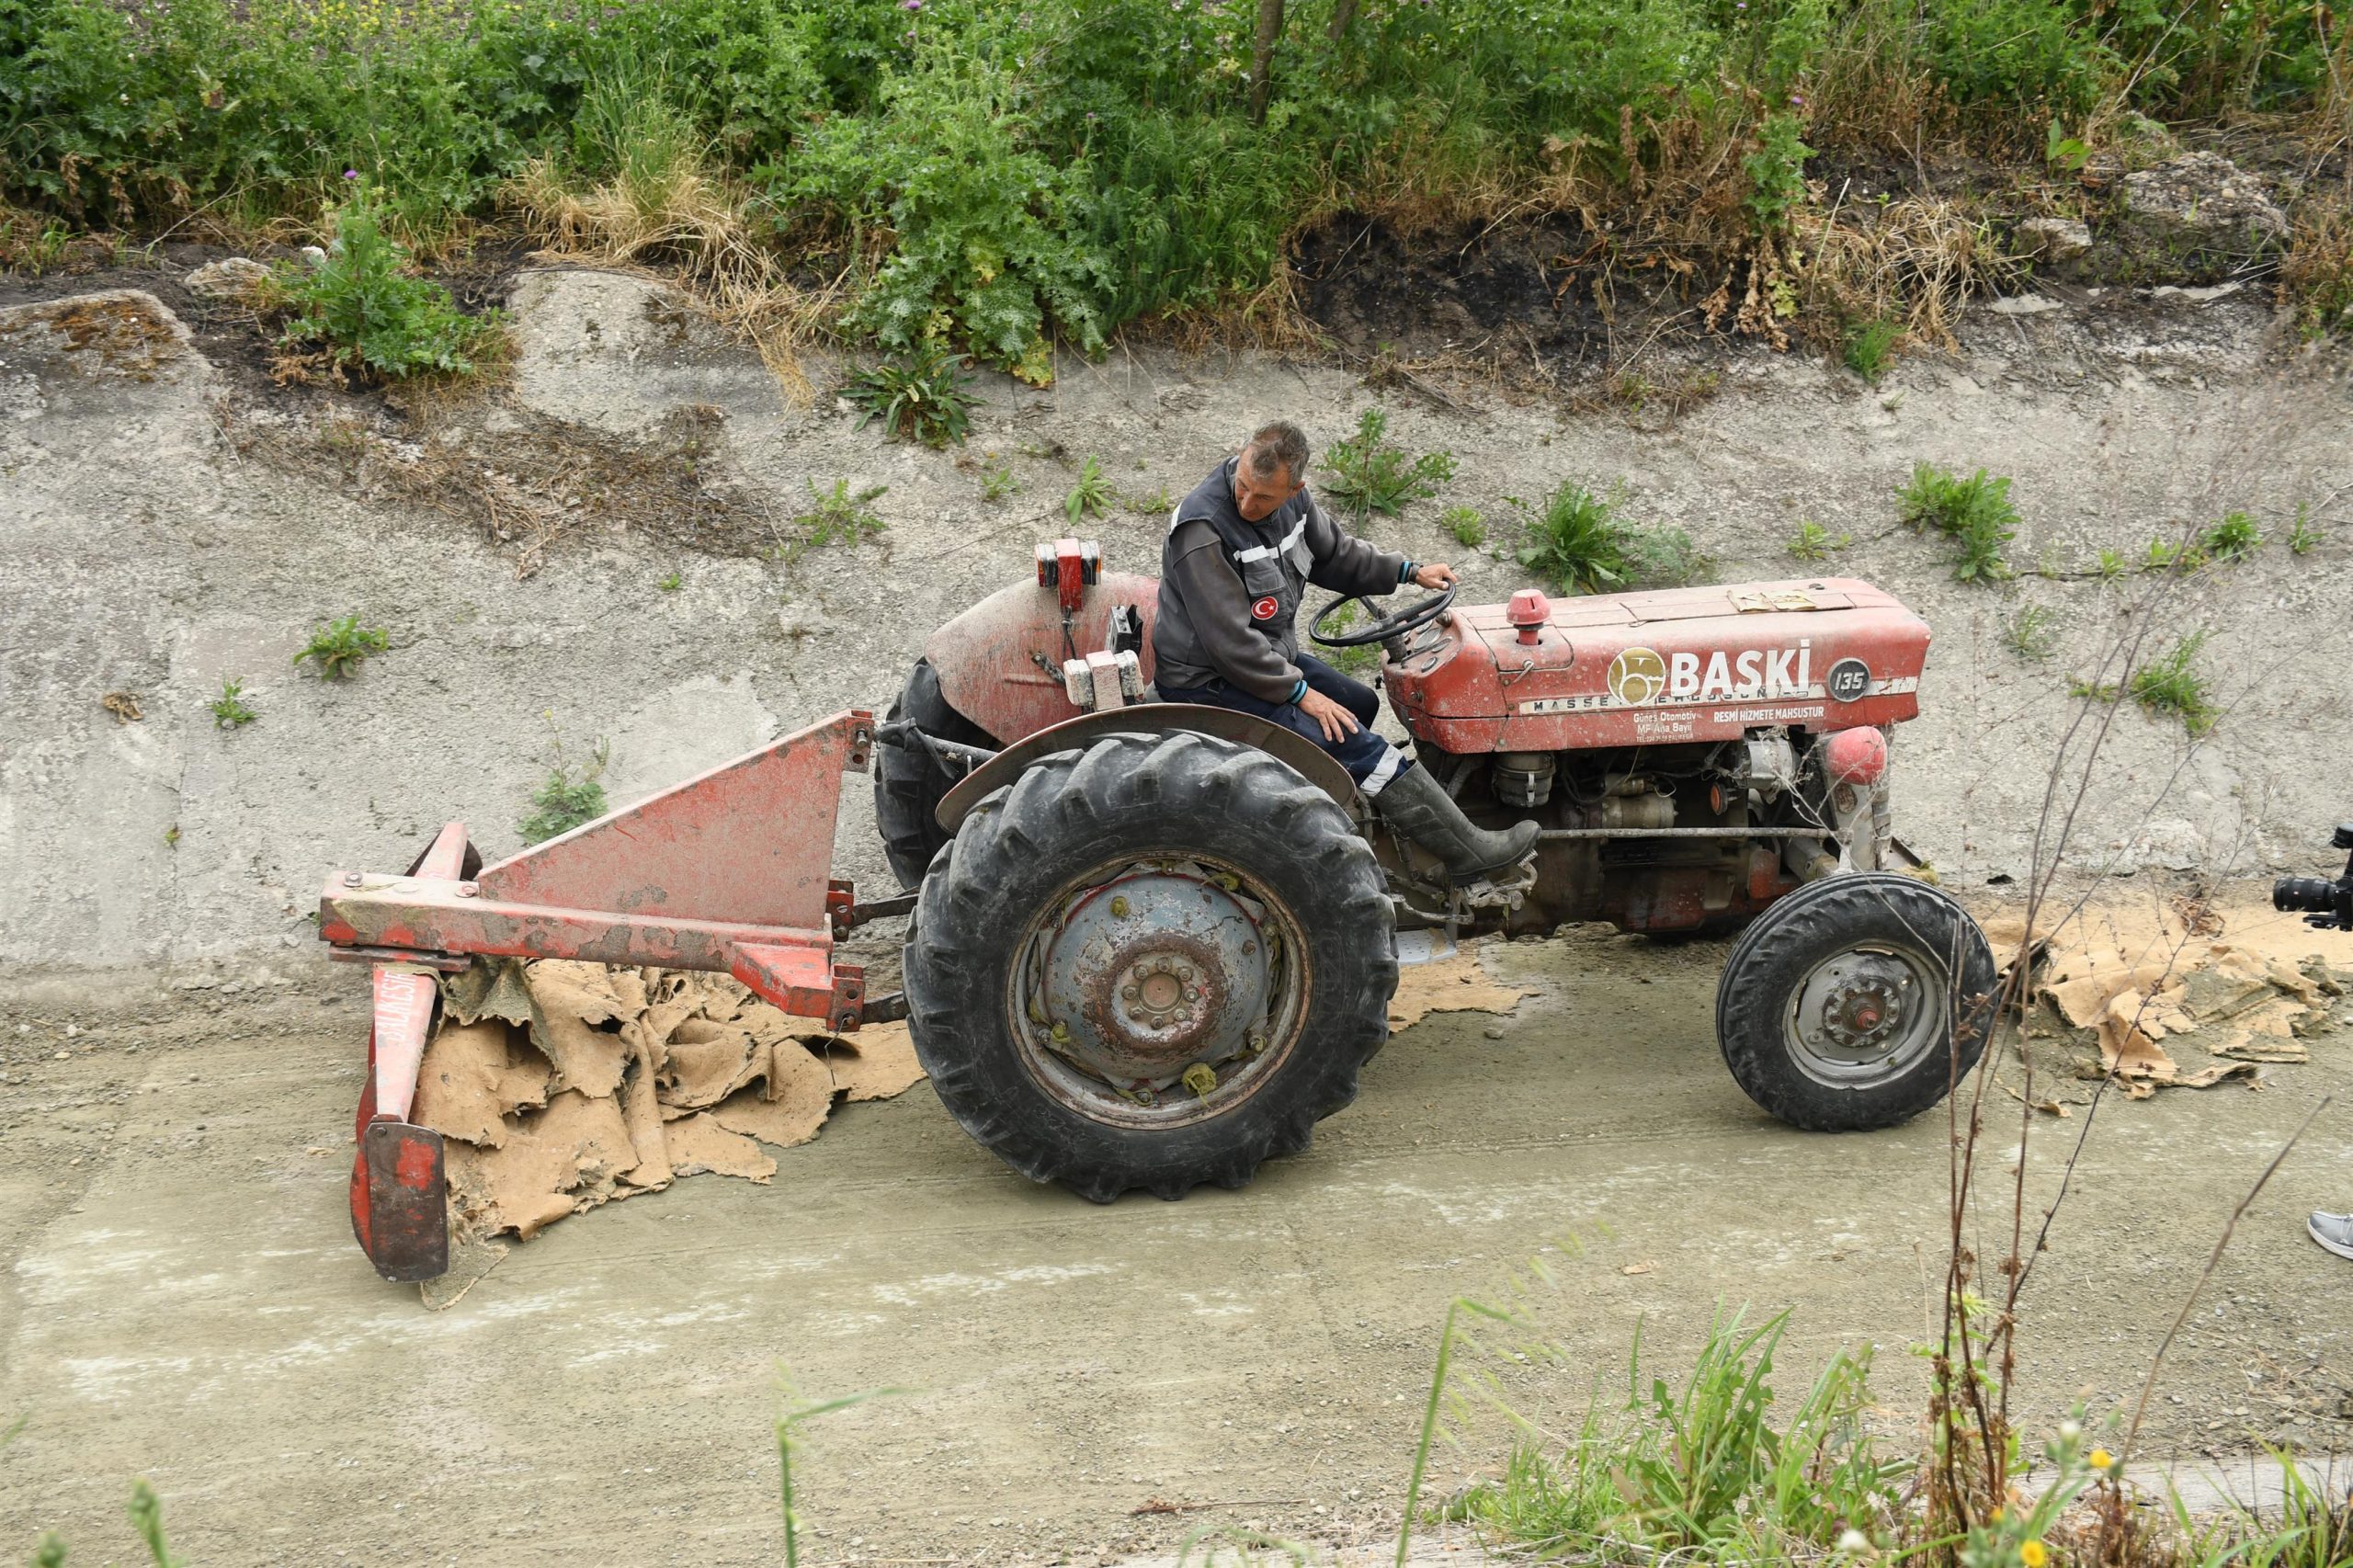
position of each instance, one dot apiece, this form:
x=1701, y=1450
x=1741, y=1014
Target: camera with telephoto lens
x=2327, y=904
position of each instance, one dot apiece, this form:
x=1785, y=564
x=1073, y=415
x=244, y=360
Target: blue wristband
x=1405, y=573
x=1299, y=692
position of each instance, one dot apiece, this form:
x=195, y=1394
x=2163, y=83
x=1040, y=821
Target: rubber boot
x=1415, y=804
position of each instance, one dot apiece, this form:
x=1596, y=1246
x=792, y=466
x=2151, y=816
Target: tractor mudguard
x=999, y=664
x=1304, y=756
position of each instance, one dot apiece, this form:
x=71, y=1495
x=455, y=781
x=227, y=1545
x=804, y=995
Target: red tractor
x=1154, y=942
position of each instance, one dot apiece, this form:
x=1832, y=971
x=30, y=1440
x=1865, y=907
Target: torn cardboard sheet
x=561, y=1086
x=1459, y=983
x=2242, y=984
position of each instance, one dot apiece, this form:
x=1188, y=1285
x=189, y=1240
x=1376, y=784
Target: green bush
x=1776, y=172
x=997, y=176
x=954, y=167
x=367, y=314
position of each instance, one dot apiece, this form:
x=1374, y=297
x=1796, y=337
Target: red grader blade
x=729, y=871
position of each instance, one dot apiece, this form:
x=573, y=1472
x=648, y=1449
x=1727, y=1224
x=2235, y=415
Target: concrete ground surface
x=185, y=1302
x=181, y=1299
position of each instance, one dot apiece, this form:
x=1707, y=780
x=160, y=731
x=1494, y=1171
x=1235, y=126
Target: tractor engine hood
x=1658, y=668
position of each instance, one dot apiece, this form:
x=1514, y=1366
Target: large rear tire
x=1151, y=963
x=1855, y=1002
x=909, y=781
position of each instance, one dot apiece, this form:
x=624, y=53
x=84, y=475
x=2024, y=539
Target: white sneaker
x=2334, y=1232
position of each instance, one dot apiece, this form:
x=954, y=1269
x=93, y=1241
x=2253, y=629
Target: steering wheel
x=1410, y=617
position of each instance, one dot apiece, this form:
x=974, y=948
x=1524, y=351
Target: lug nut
x=351, y=879
x=1120, y=907
x=1129, y=992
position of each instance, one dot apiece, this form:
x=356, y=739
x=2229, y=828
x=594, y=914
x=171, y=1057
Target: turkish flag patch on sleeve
x=1265, y=608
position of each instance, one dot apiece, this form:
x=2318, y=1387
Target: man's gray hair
x=1280, y=445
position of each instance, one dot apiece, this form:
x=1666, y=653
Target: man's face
x=1256, y=497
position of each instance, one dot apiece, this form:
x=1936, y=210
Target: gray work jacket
x=1230, y=588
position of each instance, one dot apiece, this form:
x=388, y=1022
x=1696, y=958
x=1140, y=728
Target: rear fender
x=1000, y=662
x=1304, y=756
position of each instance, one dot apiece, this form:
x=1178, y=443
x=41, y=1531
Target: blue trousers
x=1371, y=761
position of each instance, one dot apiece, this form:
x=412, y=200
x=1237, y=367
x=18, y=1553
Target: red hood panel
x=1654, y=668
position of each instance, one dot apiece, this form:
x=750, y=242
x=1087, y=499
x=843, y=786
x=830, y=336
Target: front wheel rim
x=1158, y=991
x=1866, y=1016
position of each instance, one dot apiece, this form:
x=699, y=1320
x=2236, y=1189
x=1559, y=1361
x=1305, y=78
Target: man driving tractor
x=1240, y=550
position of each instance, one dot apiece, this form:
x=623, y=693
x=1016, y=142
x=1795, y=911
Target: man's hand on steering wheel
x=1438, y=575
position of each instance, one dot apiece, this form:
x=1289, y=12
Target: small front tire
x=1855, y=1002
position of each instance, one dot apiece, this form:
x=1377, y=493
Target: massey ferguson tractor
x=1151, y=945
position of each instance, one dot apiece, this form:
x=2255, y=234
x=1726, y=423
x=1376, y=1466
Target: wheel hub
x=1861, y=1013
x=1153, y=973
x=1859, y=1006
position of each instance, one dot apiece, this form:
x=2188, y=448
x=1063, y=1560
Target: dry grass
x=679, y=219
x=1270, y=321
x=528, y=486
x=1916, y=260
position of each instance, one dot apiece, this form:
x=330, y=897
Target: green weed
x=2094, y=691
x=1092, y=496
x=2303, y=536
x=799, y=1413
x=1815, y=542
x=367, y=314
x=996, y=479
x=919, y=394
x=1704, y=1470
x=2111, y=565
x=1776, y=172
x=2234, y=538
x=672, y=582
x=1868, y=346
x=1150, y=503
x=146, y=1511
x=2164, y=555
x=1579, y=542
x=1976, y=512
x=835, y=517
x=1367, y=473
x=2169, y=684
x=229, y=709
x=2033, y=632
x=1469, y=529
x=341, y=646
x=1660, y=555
x=1576, y=541
x=570, y=794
